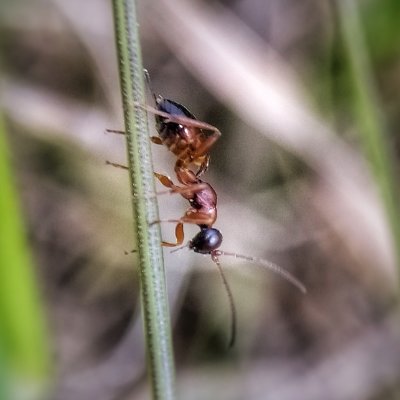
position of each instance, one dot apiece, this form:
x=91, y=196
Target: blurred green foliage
x=381, y=24
x=25, y=354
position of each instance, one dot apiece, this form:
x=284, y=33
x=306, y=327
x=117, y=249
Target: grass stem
x=152, y=274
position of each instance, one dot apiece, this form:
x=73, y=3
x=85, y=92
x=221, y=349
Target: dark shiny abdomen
x=171, y=130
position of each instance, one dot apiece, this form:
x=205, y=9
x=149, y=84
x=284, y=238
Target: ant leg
x=179, y=235
x=117, y=165
x=160, y=221
x=196, y=218
x=167, y=182
x=204, y=149
x=179, y=119
x=162, y=178
x=115, y=131
x=204, y=166
x=191, y=217
x=185, y=176
x=154, y=139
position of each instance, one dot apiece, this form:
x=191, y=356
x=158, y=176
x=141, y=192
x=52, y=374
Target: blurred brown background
x=290, y=170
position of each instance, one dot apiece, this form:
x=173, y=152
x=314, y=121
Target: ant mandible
x=180, y=131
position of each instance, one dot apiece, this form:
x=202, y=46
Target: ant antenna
x=228, y=290
x=180, y=248
x=149, y=85
x=269, y=265
x=230, y=299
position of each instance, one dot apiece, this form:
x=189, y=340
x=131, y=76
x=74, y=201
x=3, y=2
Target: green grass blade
x=152, y=274
x=23, y=343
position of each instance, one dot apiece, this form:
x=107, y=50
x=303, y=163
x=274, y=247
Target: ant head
x=206, y=241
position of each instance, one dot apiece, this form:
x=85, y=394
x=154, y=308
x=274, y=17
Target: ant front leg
x=179, y=235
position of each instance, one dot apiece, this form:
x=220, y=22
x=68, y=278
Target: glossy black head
x=207, y=240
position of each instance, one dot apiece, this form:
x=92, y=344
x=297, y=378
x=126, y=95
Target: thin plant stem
x=152, y=275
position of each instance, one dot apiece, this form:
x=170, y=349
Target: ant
x=181, y=132
x=184, y=136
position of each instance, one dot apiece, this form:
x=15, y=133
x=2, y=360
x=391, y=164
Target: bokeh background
x=306, y=95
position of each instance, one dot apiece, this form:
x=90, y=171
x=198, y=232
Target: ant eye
x=207, y=240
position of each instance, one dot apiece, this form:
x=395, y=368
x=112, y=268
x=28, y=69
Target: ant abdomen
x=173, y=108
x=171, y=130
x=179, y=130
